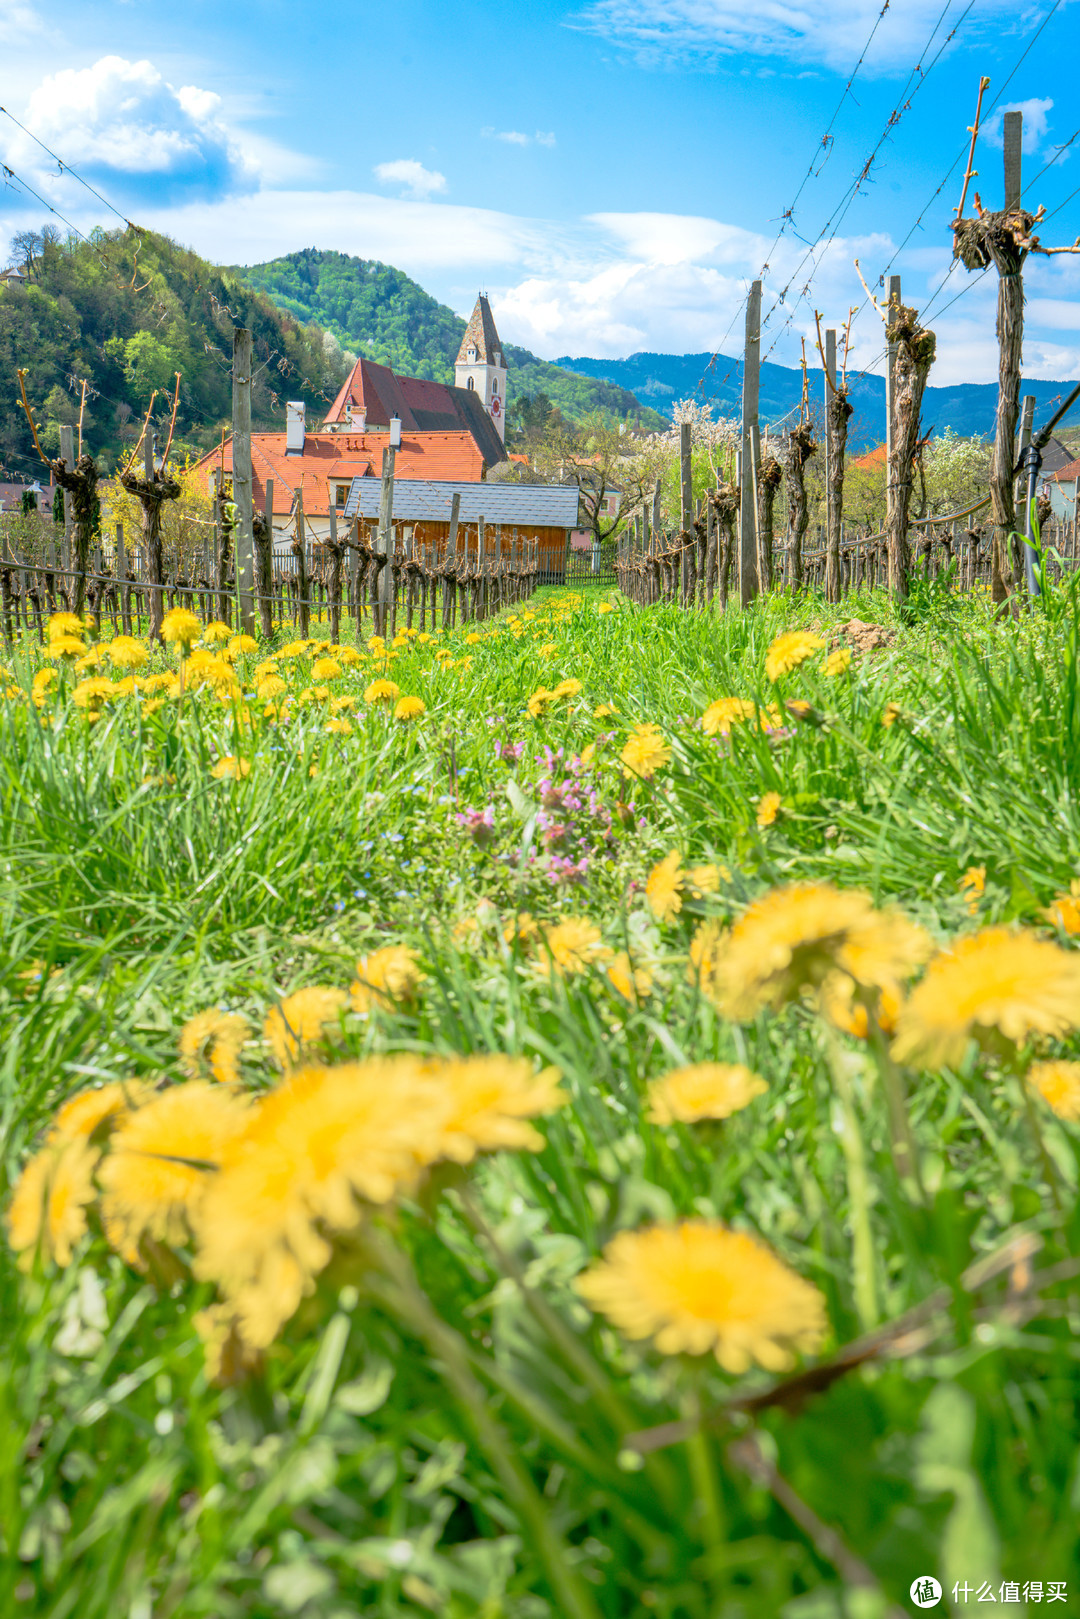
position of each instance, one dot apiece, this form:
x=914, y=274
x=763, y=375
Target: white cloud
x=831, y=32
x=121, y=120
x=1036, y=125
x=17, y=21
x=416, y=181
x=516, y=137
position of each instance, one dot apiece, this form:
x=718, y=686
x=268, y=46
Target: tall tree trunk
x=264, y=573
x=914, y=353
x=838, y=414
x=1010, y=335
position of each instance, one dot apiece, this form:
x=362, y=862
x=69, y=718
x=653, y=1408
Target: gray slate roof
x=517, y=505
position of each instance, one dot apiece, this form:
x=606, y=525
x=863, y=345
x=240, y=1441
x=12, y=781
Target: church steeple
x=481, y=363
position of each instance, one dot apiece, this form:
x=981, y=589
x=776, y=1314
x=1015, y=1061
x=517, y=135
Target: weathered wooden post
x=334, y=581
x=385, y=541
x=837, y=413
x=299, y=549
x=915, y=348
x=122, y=576
x=748, y=575
x=893, y=301
x=450, y=561
x=242, y=481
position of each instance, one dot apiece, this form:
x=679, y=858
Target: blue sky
x=614, y=172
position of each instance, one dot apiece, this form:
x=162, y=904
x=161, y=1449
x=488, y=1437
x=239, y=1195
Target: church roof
x=423, y=406
x=480, y=334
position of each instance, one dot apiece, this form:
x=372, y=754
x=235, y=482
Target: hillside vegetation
x=379, y=312
x=125, y=311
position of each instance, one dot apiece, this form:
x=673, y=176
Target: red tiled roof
x=423, y=405
x=873, y=458
x=333, y=457
x=1066, y=474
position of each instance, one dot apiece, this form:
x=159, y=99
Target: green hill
x=379, y=312
x=123, y=312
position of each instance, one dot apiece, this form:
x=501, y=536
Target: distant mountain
x=658, y=379
x=379, y=312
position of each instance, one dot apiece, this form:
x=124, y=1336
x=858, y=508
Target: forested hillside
x=379, y=312
x=124, y=312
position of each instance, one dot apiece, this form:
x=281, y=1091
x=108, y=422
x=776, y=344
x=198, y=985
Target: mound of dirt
x=863, y=637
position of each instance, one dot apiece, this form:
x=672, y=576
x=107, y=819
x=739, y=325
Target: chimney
x=294, y=427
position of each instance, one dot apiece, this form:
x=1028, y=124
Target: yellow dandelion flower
x=216, y=1039
x=89, y=660
x=424, y=638
x=216, y=631
x=548, y=649
x=376, y=644
x=539, y=702
x=705, y=1090
x=645, y=752
x=382, y=691
x=789, y=650
x=473, y=639
x=891, y=714
x=84, y=1114
x=768, y=809
x=663, y=888
x=43, y=683
x=339, y=726
x=575, y=945
x=153, y=705
x=1058, y=1083
x=707, y=879
x=1064, y=913
x=160, y=1161
x=788, y=941
x=996, y=982
x=240, y=644
x=92, y=693
x=566, y=688
x=844, y=1011
x=521, y=928
x=230, y=768
x=386, y=978
x=65, y=646
x=341, y=705
x=973, y=885
x=720, y=716
x=65, y=624
x=633, y=983
x=839, y=661
x=705, y=949
x=409, y=708
x=270, y=687
x=325, y=669
x=302, y=1018
x=348, y=656
x=606, y=607
x=182, y=626
x=696, y=1287
x=604, y=711
x=47, y=1213
x=125, y=652
x=488, y=1101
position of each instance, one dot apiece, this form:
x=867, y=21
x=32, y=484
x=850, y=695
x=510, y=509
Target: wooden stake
x=244, y=536
x=748, y=576
x=894, y=301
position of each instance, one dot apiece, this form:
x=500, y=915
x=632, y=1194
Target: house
x=510, y=512
x=14, y=276
x=1061, y=487
x=11, y=496
x=323, y=466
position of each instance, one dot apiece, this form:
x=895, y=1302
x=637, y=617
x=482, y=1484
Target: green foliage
x=125, y=312
x=379, y=312
x=360, y=1472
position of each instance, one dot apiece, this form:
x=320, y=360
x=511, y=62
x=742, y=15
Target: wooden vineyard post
x=244, y=538
x=354, y=574
x=686, y=511
x=770, y=476
x=748, y=575
x=915, y=348
x=263, y=535
x=334, y=583
x=300, y=553
x=837, y=413
x=893, y=302
x=385, y=541
x=152, y=490
x=67, y=454
x=122, y=578
x=450, y=561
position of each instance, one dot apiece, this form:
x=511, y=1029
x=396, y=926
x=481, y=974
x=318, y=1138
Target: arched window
x=470, y=385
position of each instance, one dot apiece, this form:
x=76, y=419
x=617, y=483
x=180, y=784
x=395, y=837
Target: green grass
x=353, y=1477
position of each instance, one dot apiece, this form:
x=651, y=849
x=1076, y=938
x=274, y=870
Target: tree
x=596, y=457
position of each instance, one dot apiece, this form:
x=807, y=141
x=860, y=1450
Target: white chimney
x=294, y=427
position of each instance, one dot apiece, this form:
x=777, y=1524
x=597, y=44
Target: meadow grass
x=443, y=1426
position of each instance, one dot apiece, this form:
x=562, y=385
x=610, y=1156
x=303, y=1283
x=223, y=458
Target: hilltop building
x=480, y=367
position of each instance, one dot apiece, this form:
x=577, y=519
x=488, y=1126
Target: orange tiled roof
x=338, y=457
x=1066, y=474
x=873, y=458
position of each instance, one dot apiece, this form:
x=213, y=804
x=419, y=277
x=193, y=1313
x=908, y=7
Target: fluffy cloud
x=516, y=137
x=122, y=124
x=17, y=21
x=829, y=32
x=1036, y=124
x=415, y=180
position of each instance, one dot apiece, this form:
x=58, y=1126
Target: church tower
x=481, y=364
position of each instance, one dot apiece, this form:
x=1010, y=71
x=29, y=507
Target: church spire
x=481, y=364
